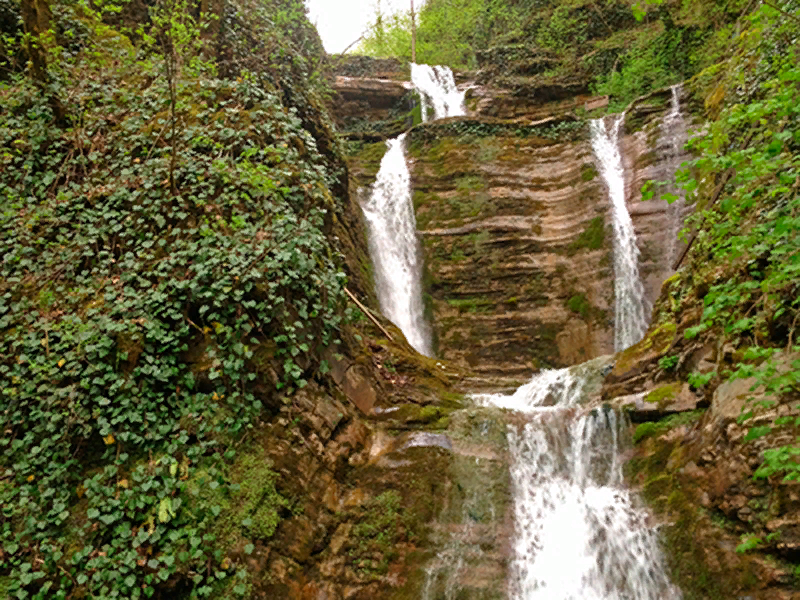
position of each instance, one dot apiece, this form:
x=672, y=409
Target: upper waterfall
x=438, y=93
x=393, y=243
x=631, y=308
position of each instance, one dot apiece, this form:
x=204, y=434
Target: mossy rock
x=633, y=360
x=662, y=395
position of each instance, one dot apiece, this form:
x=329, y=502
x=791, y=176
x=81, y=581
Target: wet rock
x=658, y=402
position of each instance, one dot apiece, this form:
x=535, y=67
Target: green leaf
x=757, y=432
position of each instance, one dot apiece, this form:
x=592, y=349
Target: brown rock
x=357, y=387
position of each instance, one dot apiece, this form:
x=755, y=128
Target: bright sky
x=341, y=22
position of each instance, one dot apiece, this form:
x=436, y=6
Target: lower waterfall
x=580, y=534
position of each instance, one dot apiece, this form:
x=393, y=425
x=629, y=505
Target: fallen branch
x=367, y=312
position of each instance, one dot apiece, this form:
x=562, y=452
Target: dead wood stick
x=367, y=312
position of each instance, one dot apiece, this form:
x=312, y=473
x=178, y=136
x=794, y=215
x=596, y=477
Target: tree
x=36, y=18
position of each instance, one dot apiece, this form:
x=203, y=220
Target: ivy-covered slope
x=175, y=217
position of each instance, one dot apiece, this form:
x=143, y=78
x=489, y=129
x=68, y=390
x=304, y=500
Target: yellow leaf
x=80, y=491
x=61, y=363
x=215, y=396
x=109, y=439
x=123, y=483
x=31, y=478
x=226, y=564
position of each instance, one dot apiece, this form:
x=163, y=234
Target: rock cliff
x=515, y=228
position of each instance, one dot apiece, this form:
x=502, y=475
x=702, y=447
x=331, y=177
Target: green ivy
x=746, y=253
x=166, y=278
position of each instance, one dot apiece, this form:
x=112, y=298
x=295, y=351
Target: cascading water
x=631, y=308
x=675, y=131
x=580, y=534
x=437, y=90
x=394, y=246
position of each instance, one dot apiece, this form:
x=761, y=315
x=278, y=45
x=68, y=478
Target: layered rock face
x=517, y=235
x=517, y=249
x=371, y=98
x=516, y=227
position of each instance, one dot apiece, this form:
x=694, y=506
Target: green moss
x=253, y=512
x=430, y=413
x=471, y=305
x=591, y=238
x=657, y=342
x=470, y=183
x=654, y=428
x=663, y=394
x=579, y=304
x=588, y=172
x=381, y=526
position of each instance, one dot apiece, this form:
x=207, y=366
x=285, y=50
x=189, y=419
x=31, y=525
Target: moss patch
x=655, y=428
x=470, y=305
x=663, y=395
x=251, y=513
x=588, y=172
x=654, y=344
x=382, y=524
x=591, y=238
x=579, y=304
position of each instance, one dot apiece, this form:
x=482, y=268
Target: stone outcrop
x=372, y=98
x=360, y=99
x=517, y=250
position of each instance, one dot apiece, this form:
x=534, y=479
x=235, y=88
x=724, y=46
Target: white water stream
x=631, y=308
x=675, y=131
x=392, y=227
x=437, y=90
x=579, y=533
x=395, y=249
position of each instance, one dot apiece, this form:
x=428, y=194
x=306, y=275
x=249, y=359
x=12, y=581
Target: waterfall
x=395, y=249
x=580, y=534
x=437, y=91
x=631, y=308
x=392, y=227
x=675, y=131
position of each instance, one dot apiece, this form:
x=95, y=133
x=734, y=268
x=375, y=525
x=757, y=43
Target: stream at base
x=580, y=534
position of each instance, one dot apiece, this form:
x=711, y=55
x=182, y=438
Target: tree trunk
x=36, y=18
x=413, y=34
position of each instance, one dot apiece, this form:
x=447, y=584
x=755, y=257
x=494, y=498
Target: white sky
x=341, y=22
